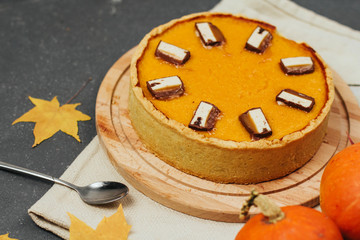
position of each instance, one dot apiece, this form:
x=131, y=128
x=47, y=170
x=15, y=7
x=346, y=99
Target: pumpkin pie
x=229, y=99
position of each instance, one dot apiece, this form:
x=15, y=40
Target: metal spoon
x=95, y=194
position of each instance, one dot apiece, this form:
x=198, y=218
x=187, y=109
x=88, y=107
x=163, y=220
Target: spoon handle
x=16, y=169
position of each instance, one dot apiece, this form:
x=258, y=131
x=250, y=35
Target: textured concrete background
x=50, y=48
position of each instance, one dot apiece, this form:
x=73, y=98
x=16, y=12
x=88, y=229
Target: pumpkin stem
x=267, y=207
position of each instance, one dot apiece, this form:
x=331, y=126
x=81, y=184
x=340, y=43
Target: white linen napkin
x=337, y=44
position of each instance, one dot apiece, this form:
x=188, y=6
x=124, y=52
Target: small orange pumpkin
x=340, y=191
x=291, y=222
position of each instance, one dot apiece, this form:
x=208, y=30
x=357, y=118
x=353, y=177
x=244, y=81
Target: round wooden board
x=199, y=197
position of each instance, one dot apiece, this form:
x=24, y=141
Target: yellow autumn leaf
x=6, y=237
x=114, y=227
x=50, y=118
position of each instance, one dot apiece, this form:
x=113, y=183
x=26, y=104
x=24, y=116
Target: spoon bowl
x=102, y=192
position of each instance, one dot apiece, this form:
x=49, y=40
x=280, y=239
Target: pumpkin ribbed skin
x=299, y=223
x=340, y=191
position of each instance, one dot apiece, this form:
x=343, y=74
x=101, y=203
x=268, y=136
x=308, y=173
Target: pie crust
x=214, y=159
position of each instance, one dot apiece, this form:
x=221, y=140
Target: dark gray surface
x=50, y=48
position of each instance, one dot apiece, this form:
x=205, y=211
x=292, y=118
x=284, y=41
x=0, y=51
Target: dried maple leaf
x=114, y=227
x=50, y=117
x=6, y=237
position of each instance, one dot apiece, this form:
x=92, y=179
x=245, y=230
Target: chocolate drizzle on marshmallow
x=255, y=123
x=166, y=88
x=172, y=53
x=297, y=65
x=259, y=40
x=295, y=99
x=209, y=34
x=205, y=117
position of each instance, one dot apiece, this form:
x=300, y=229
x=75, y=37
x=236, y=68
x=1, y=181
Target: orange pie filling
x=233, y=78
